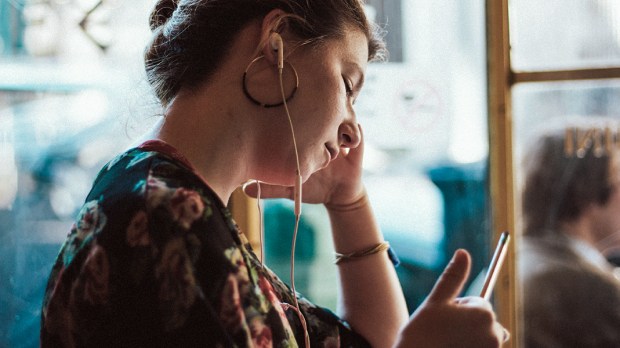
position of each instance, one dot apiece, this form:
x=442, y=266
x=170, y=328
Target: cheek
x=324, y=90
x=322, y=116
x=318, y=106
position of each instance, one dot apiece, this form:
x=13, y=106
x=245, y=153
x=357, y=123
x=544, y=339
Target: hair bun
x=162, y=12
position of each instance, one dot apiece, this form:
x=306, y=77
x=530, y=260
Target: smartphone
x=496, y=265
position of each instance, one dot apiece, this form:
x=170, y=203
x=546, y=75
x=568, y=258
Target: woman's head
x=567, y=171
x=191, y=37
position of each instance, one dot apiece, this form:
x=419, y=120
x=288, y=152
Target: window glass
x=564, y=34
x=426, y=148
x=564, y=268
x=539, y=103
x=71, y=97
x=578, y=117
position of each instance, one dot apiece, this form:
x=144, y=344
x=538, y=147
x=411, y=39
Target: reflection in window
x=572, y=266
x=560, y=35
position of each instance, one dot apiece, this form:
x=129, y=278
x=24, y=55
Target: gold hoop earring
x=253, y=100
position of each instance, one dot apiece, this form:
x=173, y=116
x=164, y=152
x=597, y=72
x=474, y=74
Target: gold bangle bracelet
x=359, y=254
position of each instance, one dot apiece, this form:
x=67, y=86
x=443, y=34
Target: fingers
x=357, y=152
x=502, y=334
x=268, y=191
x=475, y=302
x=451, y=281
x=505, y=334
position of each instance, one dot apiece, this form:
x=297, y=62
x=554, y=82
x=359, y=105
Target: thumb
x=252, y=188
x=451, y=281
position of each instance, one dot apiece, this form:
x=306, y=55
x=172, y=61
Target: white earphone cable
x=260, y=226
x=297, y=198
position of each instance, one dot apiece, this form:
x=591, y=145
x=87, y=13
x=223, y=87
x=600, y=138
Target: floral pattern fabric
x=155, y=259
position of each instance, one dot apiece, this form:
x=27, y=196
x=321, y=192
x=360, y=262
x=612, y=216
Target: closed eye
x=348, y=87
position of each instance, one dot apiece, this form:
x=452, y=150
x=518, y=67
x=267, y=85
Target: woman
x=155, y=258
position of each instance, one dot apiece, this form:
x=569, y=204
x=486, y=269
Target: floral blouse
x=155, y=259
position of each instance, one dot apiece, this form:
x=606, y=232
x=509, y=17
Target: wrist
x=353, y=205
x=375, y=249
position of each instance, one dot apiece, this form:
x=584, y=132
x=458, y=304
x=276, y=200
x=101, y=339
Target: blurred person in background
x=571, y=214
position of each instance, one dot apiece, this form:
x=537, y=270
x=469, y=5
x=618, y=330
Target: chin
x=308, y=171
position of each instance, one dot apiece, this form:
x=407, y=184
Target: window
x=548, y=60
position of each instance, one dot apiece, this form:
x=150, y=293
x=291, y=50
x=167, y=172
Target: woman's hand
x=339, y=184
x=443, y=320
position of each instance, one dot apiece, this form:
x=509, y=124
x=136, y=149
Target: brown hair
x=190, y=37
x=559, y=186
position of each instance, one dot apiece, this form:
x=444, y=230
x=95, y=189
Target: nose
x=349, y=134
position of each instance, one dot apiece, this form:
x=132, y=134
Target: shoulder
x=137, y=194
x=568, y=306
x=149, y=179
x=540, y=255
x=557, y=280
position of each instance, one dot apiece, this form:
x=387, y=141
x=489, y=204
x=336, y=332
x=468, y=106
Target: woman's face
x=330, y=78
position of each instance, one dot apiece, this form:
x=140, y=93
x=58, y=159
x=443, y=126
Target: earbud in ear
x=275, y=40
x=278, y=45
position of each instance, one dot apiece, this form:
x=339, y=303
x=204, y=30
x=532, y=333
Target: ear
x=272, y=22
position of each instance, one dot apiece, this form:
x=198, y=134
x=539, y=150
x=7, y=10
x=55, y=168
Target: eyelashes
x=348, y=86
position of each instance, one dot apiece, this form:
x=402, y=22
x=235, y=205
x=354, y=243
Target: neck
x=209, y=124
x=211, y=140
x=581, y=228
